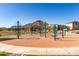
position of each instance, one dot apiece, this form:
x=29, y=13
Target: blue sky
x=28, y=12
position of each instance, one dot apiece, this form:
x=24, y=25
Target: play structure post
x=45, y=29
x=34, y=29
x=18, y=29
x=62, y=31
x=55, y=32
x=40, y=29
x=31, y=30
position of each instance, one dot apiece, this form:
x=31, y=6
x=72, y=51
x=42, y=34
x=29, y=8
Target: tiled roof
x=72, y=22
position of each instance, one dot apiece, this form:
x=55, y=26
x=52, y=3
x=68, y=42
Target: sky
x=53, y=13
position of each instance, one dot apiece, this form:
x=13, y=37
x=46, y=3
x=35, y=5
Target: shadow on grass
x=4, y=39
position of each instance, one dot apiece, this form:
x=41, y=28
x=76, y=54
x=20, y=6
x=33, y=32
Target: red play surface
x=44, y=42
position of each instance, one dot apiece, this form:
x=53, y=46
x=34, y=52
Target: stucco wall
x=70, y=25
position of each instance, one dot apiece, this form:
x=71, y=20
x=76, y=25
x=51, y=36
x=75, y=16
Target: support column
x=55, y=32
x=62, y=31
x=18, y=27
x=45, y=29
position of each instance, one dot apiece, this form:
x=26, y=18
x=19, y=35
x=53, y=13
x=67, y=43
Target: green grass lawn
x=10, y=54
x=4, y=54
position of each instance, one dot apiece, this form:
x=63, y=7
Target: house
x=73, y=25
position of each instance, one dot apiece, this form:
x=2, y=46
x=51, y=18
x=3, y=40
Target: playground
x=55, y=39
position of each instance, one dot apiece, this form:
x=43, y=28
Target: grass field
x=4, y=33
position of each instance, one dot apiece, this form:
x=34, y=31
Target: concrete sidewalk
x=34, y=50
